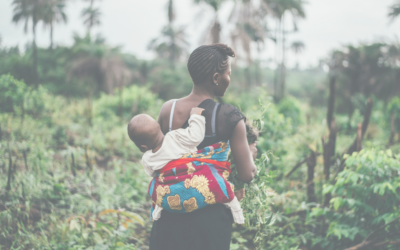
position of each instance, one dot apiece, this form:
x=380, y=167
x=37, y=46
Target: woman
x=209, y=228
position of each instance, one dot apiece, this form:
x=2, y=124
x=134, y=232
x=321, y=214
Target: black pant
x=209, y=228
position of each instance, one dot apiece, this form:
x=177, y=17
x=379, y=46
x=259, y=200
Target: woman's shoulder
x=166, y=108
x=230, y=111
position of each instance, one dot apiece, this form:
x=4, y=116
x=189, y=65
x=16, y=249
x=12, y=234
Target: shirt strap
x=171, y=115
x=214, y=114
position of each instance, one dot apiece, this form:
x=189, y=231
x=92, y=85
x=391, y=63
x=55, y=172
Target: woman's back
x=221, y=119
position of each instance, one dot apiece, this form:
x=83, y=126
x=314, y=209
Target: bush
x=134, y=100
x=365, y=197
x=35, y=101
x=12, y=93
x=289, y=107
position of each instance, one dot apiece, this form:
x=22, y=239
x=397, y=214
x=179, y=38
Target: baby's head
x=145, y=132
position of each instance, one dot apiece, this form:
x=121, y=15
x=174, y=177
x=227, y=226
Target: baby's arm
x=193, y=135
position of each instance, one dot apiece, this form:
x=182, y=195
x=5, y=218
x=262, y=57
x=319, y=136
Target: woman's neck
x=202, y=92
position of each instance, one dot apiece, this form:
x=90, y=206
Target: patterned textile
x=194, y=181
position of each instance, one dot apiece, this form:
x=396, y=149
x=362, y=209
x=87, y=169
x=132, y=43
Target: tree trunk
x=329, y=153
x=359, y=138
x=350, y=115
x=331, y=101
x=364, y=127
x=51, y=35
x=283, y=67
x=34, y=49
x=172, y=49
x=73, y=164
x=392, y=133
x=311, y=162
x=330, y=146
x=216, y=31
x=121, y=103
x=24, y=153
x=8, y=187
x=276, y=94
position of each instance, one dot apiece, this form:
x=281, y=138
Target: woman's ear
x=216, y=78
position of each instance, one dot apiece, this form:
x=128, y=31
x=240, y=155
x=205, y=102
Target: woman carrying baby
x=208, y=228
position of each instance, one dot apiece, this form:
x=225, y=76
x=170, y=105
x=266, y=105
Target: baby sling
x=195, y=180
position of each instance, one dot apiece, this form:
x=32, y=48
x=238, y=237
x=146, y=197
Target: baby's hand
x=196, y=111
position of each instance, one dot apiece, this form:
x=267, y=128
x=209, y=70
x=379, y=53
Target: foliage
x=394, y=107
x=12, y=93
x=171, y=45
x=290, y=109
x=64, y=173
x=127, y=103
x=368, y=69
x=365, y=197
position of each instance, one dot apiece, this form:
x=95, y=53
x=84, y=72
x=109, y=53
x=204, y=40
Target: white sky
x=133, y=23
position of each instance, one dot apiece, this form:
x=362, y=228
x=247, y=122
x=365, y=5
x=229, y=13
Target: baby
x=159, y=149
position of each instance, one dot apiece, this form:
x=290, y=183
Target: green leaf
x=337, y=202
x=74, y=225
x=327, y=189
x=97, y=238
x=133, y=216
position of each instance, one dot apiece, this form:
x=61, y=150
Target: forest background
x=329, y=145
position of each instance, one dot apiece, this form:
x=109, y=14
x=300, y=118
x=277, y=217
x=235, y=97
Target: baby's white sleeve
x=149, y=171
x=193, y=135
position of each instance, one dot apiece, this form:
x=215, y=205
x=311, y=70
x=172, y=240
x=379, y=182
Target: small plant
x=96, y=231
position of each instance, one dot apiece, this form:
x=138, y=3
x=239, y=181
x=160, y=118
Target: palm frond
x=394, y=11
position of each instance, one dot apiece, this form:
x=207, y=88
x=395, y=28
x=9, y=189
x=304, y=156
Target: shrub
x=11, y=93
x=289, y=107
x=365, y=197
x=133, y=100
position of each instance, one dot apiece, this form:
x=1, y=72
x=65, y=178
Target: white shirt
x=176, y=144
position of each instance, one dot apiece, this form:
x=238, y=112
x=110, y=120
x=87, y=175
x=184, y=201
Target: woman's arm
x=243, y=153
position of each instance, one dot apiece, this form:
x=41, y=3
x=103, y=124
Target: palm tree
x=215, y=30
x=25, y=10
x=394, y=10
x=297, y=47
x=172, y=44
x=91, y=16
x=54, y=13
x=278, y=9
x=250, y=26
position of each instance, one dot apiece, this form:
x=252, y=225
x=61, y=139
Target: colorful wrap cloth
x=194, y=181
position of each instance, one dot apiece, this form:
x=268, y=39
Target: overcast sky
x=133, y=23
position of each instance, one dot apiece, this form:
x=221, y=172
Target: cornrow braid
x=208, y=59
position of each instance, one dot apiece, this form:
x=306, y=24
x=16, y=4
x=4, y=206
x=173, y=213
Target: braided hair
x=207, y=60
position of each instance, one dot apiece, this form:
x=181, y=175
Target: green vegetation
x=329, y=136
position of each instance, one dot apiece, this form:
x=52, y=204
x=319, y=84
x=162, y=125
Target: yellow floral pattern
x=161, y=177
x=200, y=182
x=161, y=192
x=187, y=183
x=191, y=169
x=190, y=205
x=209, y=197
x=225, y=174
x=174, y=202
